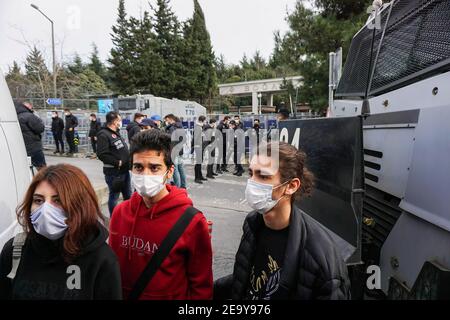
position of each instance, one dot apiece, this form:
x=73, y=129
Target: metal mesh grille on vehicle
x=416, y=44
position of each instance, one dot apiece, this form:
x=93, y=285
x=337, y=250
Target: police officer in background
x=198, y=146
x=57, y=130
x=94, y=128
x=113, y=152
x=71, y=124
x=222, y=127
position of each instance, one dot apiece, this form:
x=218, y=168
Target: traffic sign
x=54, y=101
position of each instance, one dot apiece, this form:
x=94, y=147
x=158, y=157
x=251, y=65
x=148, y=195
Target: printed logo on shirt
x=119, y=144
x=268, y=281
x=137, y=244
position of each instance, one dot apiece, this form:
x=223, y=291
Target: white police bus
x=151, y=105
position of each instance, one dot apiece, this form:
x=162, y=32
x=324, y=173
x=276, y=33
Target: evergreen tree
x=311, y=36
x=77, y=66
x=35, y=65
x=149, y=68
x=167, y=45
x=201, y=74
x=343, y=9
x=258, y=63
x=14, y=71
x=121, y=60
x=37, y=74
x=95, y=64
x=16, y=81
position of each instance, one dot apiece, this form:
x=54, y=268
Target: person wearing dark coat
x=222, y=127
x=210, y=174
x=134, y=127
x=94, y=127
x=71, y=124
x=62, y=252
x=239, y=169
x=198, y=145
x=284, y=254
x=239, y=124
x=113, y=151
x=32, y=128
x=173, y=123
x=57, y=130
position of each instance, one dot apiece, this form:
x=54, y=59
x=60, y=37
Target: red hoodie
x=136, y=232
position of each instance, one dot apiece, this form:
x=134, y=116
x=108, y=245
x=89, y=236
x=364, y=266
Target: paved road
x=221, y=200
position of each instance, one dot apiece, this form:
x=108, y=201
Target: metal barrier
x=81, y=131
x=267, y=121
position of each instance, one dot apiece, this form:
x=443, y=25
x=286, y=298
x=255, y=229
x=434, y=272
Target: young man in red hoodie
x=139, y=225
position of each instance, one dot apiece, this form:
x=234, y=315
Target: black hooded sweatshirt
x=44, y=275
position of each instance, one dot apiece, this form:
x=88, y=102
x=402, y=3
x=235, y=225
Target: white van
x=15, y=175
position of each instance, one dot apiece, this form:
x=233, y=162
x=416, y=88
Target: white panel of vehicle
x=411, y=242
x=428, y=189
x=15, y=176
x=7, y=110
x=416, y=96
x=396, y=146
x=8, y=191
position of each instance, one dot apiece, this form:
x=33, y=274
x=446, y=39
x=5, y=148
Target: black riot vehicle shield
x=334, y=150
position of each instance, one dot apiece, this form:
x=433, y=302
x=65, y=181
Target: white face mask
x=147, y=186
x=49, y=221
x=259, y=196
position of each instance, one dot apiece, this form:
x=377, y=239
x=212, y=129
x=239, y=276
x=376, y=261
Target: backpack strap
x=18, y=243
x=161, y=254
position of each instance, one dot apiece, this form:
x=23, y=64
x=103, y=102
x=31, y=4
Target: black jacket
x=32, y=128
x=240, y=125
x=57, y=125
x=43, y=274
x=212, y=138
x=94, y=128
x=171, y=129
x=111, y=149
x=198, y=143
x=222, y=126
x=71, y=122
x=312, y=268
x=133, y=128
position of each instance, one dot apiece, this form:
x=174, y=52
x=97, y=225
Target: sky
x=236, y=26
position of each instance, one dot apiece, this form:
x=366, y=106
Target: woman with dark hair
x=62, y=253
x=284, y=253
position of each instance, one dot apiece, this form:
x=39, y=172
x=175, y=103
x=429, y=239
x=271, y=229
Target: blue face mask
x=49, y=221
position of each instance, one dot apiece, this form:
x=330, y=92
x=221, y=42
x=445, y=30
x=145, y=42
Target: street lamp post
x=53, y=48
x=260, y=106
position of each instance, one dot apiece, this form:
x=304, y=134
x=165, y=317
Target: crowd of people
x=157, y=244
